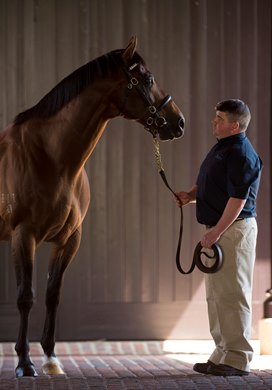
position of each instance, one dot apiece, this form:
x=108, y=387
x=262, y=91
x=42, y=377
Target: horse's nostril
x=181, y=123
x=180, y=133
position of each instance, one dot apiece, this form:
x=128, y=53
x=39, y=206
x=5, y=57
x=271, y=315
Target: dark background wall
x=124, y=283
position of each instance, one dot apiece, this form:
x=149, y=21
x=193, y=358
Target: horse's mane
x=71, y=86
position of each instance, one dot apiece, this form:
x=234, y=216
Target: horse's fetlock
x=48, y=348
x=22, y=350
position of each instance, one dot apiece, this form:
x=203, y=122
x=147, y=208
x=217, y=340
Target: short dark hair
x=236, y=110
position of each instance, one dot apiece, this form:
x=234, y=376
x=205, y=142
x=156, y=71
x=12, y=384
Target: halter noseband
x=154, y=111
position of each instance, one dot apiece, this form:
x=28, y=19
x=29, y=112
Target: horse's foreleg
x=60, y=259
x=23, y=249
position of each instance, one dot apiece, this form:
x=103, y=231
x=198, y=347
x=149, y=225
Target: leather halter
x=155, y=117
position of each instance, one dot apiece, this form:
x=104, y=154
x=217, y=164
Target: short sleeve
x=243, y=171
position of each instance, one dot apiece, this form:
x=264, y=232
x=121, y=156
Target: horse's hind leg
x=61, y=258
x=23, y=250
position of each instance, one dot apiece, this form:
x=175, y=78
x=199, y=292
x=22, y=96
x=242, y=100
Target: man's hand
x=182, y=198
x=231, y=212
x=210, y=238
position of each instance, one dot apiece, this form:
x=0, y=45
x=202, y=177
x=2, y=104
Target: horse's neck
x=73, y=134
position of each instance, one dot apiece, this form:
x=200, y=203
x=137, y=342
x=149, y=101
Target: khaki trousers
x=229, y=295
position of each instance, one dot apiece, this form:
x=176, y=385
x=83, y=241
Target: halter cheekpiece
x=154, y=118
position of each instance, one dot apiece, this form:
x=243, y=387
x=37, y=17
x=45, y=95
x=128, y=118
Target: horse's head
x=144, y=101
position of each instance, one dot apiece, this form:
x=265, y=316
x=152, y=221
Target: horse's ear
x=130, y=49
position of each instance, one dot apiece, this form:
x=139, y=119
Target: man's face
x=222, y=126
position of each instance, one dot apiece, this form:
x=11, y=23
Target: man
x=225, y=194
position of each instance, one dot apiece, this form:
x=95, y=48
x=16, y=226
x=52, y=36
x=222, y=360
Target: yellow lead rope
x=157, y=154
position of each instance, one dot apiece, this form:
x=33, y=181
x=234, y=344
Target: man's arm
x=231, y=212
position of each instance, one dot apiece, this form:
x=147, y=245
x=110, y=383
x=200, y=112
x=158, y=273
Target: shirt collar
x=232, y=138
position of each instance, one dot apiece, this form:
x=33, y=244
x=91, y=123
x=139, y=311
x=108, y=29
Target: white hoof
x=52, y=366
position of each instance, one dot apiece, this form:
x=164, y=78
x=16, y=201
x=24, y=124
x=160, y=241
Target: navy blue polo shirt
x=232, y=168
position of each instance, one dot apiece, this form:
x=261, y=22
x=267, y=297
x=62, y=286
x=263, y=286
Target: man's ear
x=235, y=128
x=130, y=50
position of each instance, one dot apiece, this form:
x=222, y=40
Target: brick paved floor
x=127, y=365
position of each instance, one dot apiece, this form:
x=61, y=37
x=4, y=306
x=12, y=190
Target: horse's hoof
x=25, y=371
x=52, y=366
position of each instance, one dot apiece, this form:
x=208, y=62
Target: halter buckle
x=149, y=121
x=152, y=109
x=134, y=81
x=160, y=121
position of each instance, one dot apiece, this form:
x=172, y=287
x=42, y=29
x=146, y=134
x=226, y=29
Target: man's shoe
x=203, y=368
x=224, y=370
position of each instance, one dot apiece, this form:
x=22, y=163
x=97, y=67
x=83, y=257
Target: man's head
x=232, y=117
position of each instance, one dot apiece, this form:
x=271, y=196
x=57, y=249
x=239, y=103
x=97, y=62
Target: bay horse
x=44, y=186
